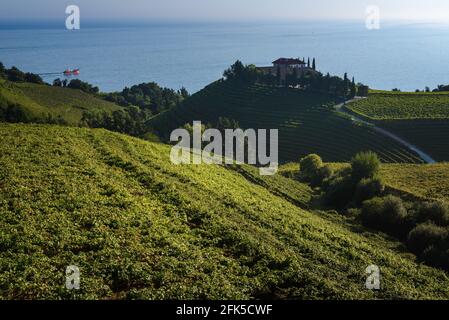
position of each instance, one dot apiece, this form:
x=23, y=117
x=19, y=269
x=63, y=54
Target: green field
x=139, y=227
x=306, y=122
x=40, y=100
x=400, y=106
x=429, y=181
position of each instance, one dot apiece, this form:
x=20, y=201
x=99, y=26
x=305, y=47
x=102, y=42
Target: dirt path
x=340, y=108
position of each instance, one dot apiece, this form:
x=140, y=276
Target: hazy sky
x=225, y=9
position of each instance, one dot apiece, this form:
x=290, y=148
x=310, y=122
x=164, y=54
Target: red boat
x=74, y=72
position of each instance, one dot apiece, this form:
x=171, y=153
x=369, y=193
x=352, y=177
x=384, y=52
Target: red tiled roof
x=288, y=61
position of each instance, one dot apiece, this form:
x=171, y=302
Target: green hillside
x=306, y=121
x=384, y=105
x=423, y=181
x=41, y=100
x=139, y=227
x=420, y=118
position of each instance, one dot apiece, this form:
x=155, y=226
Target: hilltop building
x=286, y=66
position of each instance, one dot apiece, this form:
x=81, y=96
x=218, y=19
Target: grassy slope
x=305, y=124
x=430, y=181
x=41, y=100
x=140, y=227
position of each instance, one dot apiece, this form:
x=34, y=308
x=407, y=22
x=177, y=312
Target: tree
x=365, y=165
x=184, y=93
x=2, y=71
x=83, y=86
x=278, y=76
x=314, y=64
x=353, y=88
x=33, y=78
x=235, y=71
x=345, y=84
x=309, y=166
x=15, y=75
x=308, y=62
x=57, y=83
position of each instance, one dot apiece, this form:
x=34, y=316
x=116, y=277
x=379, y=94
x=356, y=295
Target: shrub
x=339, y=192
x=386, y=214
x=437, y=212
x=16, y=113
x=322, y=174
x=426, y=237
x=309, y=166
x=365, y=165
x=367, y=189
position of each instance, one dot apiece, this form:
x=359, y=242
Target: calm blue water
x=407, y=56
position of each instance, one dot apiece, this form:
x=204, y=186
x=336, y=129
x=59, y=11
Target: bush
x=437, y=212
x=309, y=166
x=323, y=174
x=16, y=113
x=367, y=189
x=365, y=165
x=83, y=86
x=426, y=237
x=386, y=214
x=339, y=192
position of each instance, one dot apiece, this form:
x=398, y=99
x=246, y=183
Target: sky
x=225, y=10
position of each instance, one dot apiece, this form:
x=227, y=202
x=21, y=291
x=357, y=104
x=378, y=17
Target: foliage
x=425, y=236
x=16, y=75
x=83, y=86
x=309, y=166
x=338, y=191
x=305, y=120
x=148, y=97
x=365, y=165
x=40, y=101
x=139, y=227
x=368, y=188
x=387, y=214
x=130, y=121
x=435, y=211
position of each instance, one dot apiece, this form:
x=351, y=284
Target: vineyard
x=42, y=100
x=431, y=136
x=306, y=121
x=140, y=227
x=397, y=106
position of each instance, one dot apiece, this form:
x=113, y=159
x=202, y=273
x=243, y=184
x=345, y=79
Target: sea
x=404, y=55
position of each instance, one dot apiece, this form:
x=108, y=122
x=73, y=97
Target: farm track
x=341, y=109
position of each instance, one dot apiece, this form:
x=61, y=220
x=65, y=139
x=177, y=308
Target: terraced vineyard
x=397, y=106
x=41, y=100
x=421, y=119
x=140, y=227
x=431, y=136
x=306, y=121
